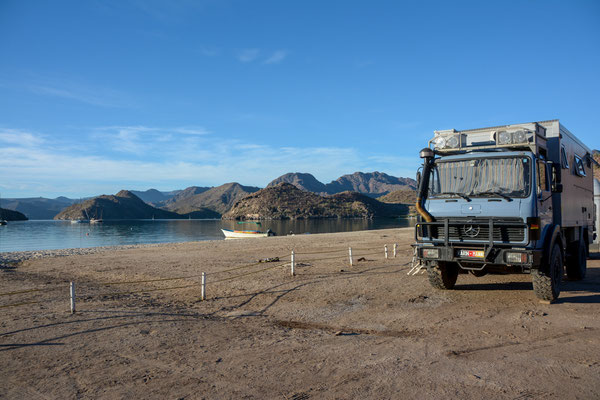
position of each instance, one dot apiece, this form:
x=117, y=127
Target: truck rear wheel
x=576, y=264
x=546, y=283
x=443, y=275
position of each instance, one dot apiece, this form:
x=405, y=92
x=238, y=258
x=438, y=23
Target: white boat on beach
x=232, y=234
x=235, y=234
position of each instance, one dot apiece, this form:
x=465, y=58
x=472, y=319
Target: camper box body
x=574, y=207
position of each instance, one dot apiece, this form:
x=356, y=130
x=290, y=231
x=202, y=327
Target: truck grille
x=465, y=231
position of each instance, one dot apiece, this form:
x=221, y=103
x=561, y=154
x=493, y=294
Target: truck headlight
x=431, y=253
x=516, y=258
x=439, y=142
x=504, y=137
x=452, y=142
x=520, y=136
x=446, y=142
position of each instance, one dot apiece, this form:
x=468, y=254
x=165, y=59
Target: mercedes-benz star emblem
x=470, y=230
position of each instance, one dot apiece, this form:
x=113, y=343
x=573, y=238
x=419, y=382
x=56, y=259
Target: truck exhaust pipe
x=427, y=155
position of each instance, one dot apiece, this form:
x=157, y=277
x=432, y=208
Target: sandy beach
x=333, y=331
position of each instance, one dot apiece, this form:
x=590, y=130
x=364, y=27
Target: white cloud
x=248, y=55
x=19, y=137
x=143, y=140
x=276, y=57
x=197, y=131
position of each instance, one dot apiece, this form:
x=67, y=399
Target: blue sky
x=97, y=96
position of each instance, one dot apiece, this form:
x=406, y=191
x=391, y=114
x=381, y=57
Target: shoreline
x=10, y=258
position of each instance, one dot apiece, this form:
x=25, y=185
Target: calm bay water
x=45, y=235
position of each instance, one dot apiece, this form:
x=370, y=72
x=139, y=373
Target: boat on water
x=79, y=221
x=3, y=222
x=241, y=234
x=97, y=220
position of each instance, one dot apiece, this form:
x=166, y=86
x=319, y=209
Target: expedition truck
x=509, y=199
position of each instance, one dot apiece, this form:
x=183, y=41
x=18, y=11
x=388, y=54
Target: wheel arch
x=553, y=235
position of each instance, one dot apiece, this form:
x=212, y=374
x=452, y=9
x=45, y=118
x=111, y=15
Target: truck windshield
x=480, y=177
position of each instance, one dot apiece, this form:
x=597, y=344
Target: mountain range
x=200, y=202
x=38, y=207
x=373, y=184
x=218, y=199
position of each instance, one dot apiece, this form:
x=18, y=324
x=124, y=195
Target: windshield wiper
x=504, y=196
x=464, y=196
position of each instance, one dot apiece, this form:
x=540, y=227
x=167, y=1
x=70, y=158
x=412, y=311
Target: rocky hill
x=10, y=215
x=400, y=197
x=407, y=197
x=152, y=196
x=218, y=199
x=123, y=205
x=286, y=201
x=38, y=207
x=373, y=184
x=185, y=194
x=302, y=181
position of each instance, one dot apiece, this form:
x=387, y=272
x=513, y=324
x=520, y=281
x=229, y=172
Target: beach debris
x=361, y=259
x=268, y=260
x=418, y=299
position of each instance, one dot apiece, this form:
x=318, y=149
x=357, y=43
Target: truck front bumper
x=526, y=258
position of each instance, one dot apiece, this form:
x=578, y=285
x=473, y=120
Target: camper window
x=579, y=168
x=563, y=158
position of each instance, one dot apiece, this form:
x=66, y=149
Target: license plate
x=471, y=253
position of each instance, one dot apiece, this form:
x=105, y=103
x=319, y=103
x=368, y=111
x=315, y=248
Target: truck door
x=544, y=193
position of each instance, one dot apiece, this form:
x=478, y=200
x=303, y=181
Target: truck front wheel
x=443, y=275
x=576, y=264
x=546, y=283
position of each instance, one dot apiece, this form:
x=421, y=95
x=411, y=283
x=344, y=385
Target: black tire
x=546, y=282
x=443, y=275
x=576, y=264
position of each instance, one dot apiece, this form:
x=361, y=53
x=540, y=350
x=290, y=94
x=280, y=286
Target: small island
x=10, y=215
x=286, y=201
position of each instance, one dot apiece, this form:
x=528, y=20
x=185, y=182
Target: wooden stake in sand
x=203, y=286
x=293, y=264
x=72, y=293
x=395, y=248
x=350, y=254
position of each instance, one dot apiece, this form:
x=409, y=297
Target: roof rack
x=529, y=136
